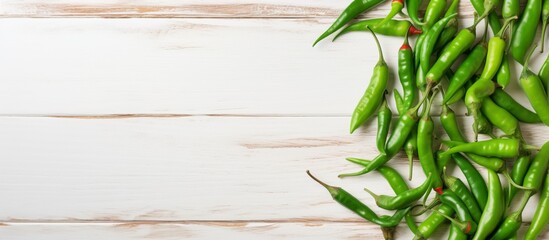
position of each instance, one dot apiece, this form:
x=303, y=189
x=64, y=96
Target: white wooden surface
x=119, y=121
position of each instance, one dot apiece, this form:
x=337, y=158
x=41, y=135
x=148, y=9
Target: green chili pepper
x=531, y=85
x=499, y=117
x=538, y=168
x=475, y=203
x=406, y=74
x=425, y=148
x=448, y=56
x=525, y=32
x=466, y=70
x=354, y=9
x=504, y=148
x=396, y=7
x=504, y=100
x=520, y=167
x=352, y=203
x=458, y=96
x=417, y=51
x=421, y=82
x=509, y=10
x=494, y=207
x=383, y=124
x=433, y=12
x=503, y=77
x=427, y=227
x=456, y=233
x=544, y=19
x=473, y=100
x=403, y=199
x=493, y=19
x=447, y=35
x=452, y=200
x=373, y=96
x=410, y=147
x=494, y=56
x=540, y=219
x=431, y=39
x=544, y=74
x=398, y=28
x=508, y=227
x=412, y=6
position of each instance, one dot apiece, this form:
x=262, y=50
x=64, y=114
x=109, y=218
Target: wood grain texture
x=167, y=67
x=188, y=8
x=189, y=168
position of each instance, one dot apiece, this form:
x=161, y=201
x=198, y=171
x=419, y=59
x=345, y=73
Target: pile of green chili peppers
x=477, y=209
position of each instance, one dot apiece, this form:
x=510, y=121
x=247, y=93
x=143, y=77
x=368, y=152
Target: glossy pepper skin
x=428, y=227
x=494, y=207
x=504, y=100
x=354, y=9
x=451, y=199
x=406, y=74
x=538, y=168
x=518, y=172
x=544, y=20
x=433, y=12
x=493, y=19
x=412, y=6
x=503, y=148
x=466, y=70
x=544, y=74
x=525, y=32
x=458, y=187
x=403, y=199
x=384, y=117
x=533, y=88
x=396, y=7
x=540, y=219
x=509, y=227
x=499, y=117
x=373, y=96
x=397, y=28
x=431, y=39
x=425, y=148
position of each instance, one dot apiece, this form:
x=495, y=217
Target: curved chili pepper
x=508, y=227
x=499, y=117
x=504, y=148
x=448, y=56
x=410, y=147
x=396, y=7
x=398, y=28
x=473, y=99
x=431, y=39
x=352, y=203
x=544, y=74
x=525, y=31
x=538, y=168
x=458, y=96
x=540, y=219
x=433, y=12
x=373, y=96
x=456, y=233
x=476, y=199
x=425, y=148
x=412, y=7
x=406, y=74
x=452, y=200
x=509, y=10
x=427, y=227
x=384, y=117
x=466, y=70
x=533, y=88
x=494, y=207
x=403, y=199
x=503, y=76
x=469, y=207
x=354, y=9
x=504, y=100
x=518, y=172
x=494, y=56
x=447, y=35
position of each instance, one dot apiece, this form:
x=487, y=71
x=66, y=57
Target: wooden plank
x=186, y=66
x=189, y=8
x=210, y=230
x=187, y=168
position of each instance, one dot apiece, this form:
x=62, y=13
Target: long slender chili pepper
x=457, y=97
x=538, y=168
x=494, y=207
x=406, y=74
x=504, y=148
x=544, y=20
x=525, y=32
x=499, y=117
x=518, y=172
x=383, y=124
x=451, y=199
x=504, y=100
x=427, y=227
x=433, y=12
x=403, y=199
x=373, y=96
x=431, y=39
x=410, y=147
x=451, y=28
x=398, y=28
x=456, y=233
x=396, y=7
x=509, y=10
x=417, y=50
x=544, y=74
x=354, y=9
x=412, y=7
x=448, y=56
x=352, y=203
x=473, y=100
x=461, y=191
x=540, y=219
x=503, y=77
x=493, y=19
x=466, y=227
x=509, y=226
x=425, y=148
x=399, y=186
x=466, y=69
x=533, y=88
x=494, y=57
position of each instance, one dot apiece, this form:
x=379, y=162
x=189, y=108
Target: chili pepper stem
x=506, y=25
x=527, y=60
x=375, y=196
x=463, y=226
x=331, y=189
x=431, y=205
x=380, y=53
x=530, y=147
x=358, y=161
x=543, y=29
x=511, y=182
